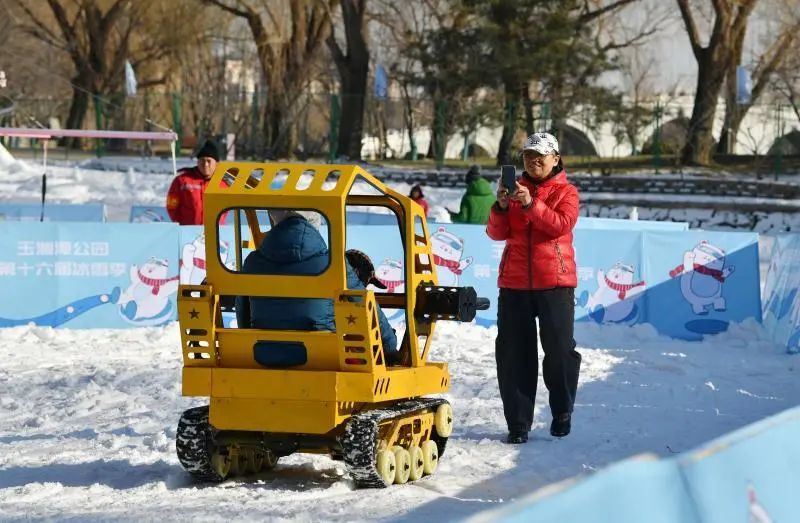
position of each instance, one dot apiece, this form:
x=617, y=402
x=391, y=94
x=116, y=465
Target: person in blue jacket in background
x=295, y=246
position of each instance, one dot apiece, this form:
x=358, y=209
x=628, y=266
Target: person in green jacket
x=477, y=201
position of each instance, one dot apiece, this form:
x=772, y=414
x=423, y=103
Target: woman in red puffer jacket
x=537, y=280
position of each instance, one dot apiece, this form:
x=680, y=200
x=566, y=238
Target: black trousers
x=516, y=351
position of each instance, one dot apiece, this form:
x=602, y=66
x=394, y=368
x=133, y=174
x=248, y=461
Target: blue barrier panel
x=149, y=214
x=700, y=281
x=751, y=474
x=370, y=218
x=53, y=212
x=624, y=276
x=88, y=275
x=611, y=281
x=781, y=297
x=748, y=475
x=638, y=225
x=634, y=490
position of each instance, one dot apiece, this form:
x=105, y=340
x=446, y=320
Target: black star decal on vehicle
x=351, y=320
x=194, y=314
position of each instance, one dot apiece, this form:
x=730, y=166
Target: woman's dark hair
x=557, y=168
x=416, y=188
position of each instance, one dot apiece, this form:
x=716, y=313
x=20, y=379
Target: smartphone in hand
x=508, y=178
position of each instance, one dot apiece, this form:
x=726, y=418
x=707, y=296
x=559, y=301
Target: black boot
x=515, y=437
x=561, y=425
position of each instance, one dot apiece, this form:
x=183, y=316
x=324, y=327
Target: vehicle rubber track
x=360, y=439
x=194, y=444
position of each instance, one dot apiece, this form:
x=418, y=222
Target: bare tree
x=402, y=25
x=98, y=37
x=713, y=64
x=288, y=35
x=777, y=49
x=634, y=112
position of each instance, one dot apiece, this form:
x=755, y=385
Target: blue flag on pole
x=744, y=85
x=381, y=82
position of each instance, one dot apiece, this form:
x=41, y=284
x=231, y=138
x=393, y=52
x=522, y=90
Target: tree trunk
x=275, y=146
x=529, y=124
x=409, y=110
x=700, y=142
x=504, y=155
x=351, y=124
x=353, y=68
x=77, y=113
x=733, y=117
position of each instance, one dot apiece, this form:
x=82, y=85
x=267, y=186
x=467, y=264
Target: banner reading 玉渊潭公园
x=84, y=275
x=685, y=283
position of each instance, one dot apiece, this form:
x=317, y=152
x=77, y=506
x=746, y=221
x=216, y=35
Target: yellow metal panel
x=306, y=417
x=359, y=331
x=396, y=383
x=236, y=347
x=244, y=171
x=274, y=384
x=197, y=307
x=403, y=382
x=196, y=381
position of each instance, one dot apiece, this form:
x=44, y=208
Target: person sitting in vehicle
x=364, y=270
x=294, y=246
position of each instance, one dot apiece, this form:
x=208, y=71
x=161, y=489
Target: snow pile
x=5, y=157
x=88, y=418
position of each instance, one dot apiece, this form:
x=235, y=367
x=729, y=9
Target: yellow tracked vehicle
x=343, y=398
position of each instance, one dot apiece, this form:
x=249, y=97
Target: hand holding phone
x=508, y=178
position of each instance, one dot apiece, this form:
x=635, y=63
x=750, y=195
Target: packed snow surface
x=88, y=419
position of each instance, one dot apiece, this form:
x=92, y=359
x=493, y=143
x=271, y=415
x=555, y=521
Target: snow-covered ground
x=88, y=418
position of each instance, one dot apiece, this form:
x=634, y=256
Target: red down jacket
x=185, y=197
x=538, y=252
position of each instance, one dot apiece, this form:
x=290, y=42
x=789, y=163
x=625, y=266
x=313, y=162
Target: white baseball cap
x=542, y=143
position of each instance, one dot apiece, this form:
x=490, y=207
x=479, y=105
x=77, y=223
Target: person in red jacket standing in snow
x=185, y=195
x=537, y=279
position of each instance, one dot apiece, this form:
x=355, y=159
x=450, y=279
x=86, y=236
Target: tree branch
x=108, y=21
x=691, y=27
x=779, y=50
x=591, y=15
x=745, y=9
x=44, y=33
x=232, y=10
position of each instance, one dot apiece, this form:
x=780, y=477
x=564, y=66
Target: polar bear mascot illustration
x=615, y=298
x=390, y=273
x=702, y=276
x=193, y=260
x=146, y=301
x=448, y=250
